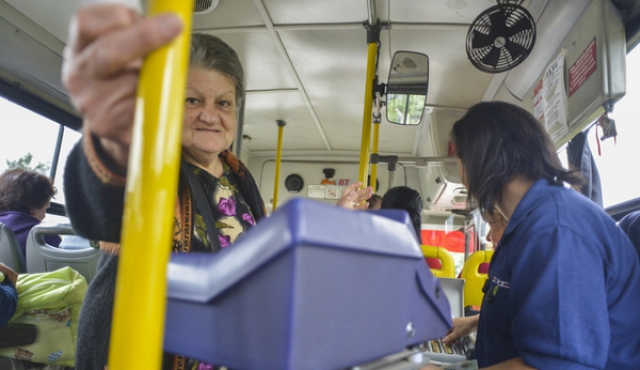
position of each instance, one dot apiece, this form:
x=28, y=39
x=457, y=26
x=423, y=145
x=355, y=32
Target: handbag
x=51, y=301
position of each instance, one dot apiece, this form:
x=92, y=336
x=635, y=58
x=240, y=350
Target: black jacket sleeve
x=94, y=201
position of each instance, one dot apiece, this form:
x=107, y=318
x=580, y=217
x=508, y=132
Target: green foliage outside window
x=25, y=162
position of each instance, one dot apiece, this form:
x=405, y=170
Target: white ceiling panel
x=316, y=12
x=439, y=11
x=53, y=15
x=263, y=66
x=397, y=139
x=332, y=66
x=262, y=111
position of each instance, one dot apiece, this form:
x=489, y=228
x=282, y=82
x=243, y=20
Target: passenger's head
x=25, y=191
x=214, y=92
x=375, y=202
x=495, y=142
x=497, y=226
x=403, y=197
x=211, y=53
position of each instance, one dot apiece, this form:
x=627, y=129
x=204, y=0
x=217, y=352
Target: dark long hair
x=23, y=190
x=403, y=197
x=497, y=141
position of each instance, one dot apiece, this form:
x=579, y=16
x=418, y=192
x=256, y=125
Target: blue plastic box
x=311, y=287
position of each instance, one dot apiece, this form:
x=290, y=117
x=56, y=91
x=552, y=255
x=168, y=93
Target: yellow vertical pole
x=374, y=150
x=140, y=299
x=366, y=120
x=276, y=185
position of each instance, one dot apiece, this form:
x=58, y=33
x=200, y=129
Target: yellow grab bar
x=150, y=200
x=367, y=115
x=276, y=185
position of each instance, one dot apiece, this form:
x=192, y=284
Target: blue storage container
x=311, y=287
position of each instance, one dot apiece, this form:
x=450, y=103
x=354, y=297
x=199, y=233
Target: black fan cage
x=201, y=5
x=500, y=38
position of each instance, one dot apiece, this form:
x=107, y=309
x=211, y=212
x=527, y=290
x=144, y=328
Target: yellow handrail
x=366, y=120
x=150, y=200
x=276, y=184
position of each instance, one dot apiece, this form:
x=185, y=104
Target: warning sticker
x=584, y=67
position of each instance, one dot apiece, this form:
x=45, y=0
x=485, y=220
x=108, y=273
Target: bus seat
x=447, y=267
x=474, y=278
x=10, y=252
x=42, y=257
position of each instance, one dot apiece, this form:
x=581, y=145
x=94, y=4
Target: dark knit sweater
x=94, y=193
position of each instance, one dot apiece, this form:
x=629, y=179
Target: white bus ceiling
x=305, y=63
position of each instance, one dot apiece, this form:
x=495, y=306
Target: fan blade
x=523, y=24
x=492, y=58
x=516, y=50
x=481, y=40
x=498, y=21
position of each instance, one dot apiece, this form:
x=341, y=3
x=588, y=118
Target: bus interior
x=307, y=65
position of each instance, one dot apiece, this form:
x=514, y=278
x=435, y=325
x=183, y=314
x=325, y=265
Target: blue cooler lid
x=201, y=277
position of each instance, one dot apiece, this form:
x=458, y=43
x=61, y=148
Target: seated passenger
x=407, y=199
x=24, y=198
x=8, y=294
x=375, y=202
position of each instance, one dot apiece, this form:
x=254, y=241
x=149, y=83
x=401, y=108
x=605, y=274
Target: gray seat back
x=10, y=252
x=42, y=257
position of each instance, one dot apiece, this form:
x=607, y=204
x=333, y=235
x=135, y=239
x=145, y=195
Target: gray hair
x=210, y=52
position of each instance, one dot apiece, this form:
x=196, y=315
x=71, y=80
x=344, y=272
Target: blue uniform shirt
x=563, y=289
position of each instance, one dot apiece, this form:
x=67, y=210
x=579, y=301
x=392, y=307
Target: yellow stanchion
x=366, y=120
x=374, y=150
x=276, y=184
x=140, y=299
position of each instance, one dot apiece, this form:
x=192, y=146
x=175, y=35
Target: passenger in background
x=375, y=202
x=564, y=283
x=407, y=199
x=464, y=326
x=101, y=67
x=630, y=224
x=24, y=198
x=8, y=294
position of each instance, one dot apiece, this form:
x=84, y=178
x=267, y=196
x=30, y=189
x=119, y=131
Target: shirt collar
x=540, y=190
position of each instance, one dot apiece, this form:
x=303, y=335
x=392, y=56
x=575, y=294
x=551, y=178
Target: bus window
x=620, y=158
x=29, y=139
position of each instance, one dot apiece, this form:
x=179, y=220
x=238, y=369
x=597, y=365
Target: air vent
x=204, y=6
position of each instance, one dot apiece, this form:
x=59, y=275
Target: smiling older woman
x=101, y=70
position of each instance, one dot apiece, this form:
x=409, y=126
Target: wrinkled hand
x=101, y=67
x=9, y=273
x=462, y=327
x=352, y=198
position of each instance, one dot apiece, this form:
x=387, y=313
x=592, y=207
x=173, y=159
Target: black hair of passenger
x=497, y=141
x=405, y=198
x=23, y=190
x=374, y=200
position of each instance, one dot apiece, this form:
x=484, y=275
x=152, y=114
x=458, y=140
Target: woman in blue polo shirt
x=564, y=286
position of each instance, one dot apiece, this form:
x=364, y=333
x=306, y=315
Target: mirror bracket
x=373, y=31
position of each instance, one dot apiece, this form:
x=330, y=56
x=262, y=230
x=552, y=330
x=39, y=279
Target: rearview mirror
x=407, y=87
